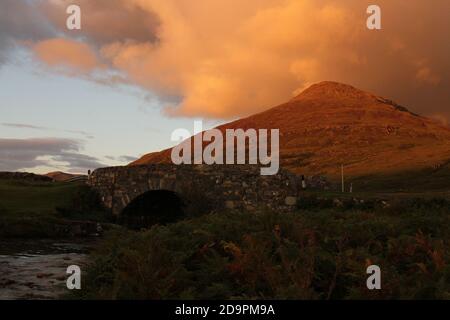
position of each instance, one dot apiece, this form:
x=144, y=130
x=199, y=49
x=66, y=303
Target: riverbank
x=45, y=226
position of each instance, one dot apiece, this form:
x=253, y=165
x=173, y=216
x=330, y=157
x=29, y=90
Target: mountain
x=64, y=177
x=330, y=124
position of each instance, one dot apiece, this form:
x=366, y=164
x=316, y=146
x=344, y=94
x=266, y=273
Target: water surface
x=36, y=269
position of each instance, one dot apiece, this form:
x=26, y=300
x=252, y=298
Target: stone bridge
x=222, y=186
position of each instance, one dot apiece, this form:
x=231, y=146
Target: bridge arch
x=153, y=207
x=238, y=187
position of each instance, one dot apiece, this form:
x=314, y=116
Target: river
x=36, y=269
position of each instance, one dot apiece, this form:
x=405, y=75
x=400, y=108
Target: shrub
x=278, y=256
x=3, y=211
x=85, y=204
x=312, y=202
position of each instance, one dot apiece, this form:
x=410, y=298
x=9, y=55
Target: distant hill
x=24, y=176
x=330, y=124
x=64, y=177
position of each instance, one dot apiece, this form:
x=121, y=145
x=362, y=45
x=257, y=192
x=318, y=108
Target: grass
x=45, y=209
x=22, y=198
x=417, y=181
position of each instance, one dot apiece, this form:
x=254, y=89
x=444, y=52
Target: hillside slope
x=64, y=177
x=332, y=123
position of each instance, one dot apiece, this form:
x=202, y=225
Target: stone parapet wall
x=224, y=186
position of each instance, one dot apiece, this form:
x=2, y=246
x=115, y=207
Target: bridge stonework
x=223, y=186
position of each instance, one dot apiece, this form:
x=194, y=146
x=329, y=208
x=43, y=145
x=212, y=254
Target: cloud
x=34, y=127
x=20, y=21
x=59, y=52
x=24, y=126
x=84, y=133
x=230, y=58
x=124, y=158
x=427, y=76
x=105, y=21
x=17, y=154
x=79, y=162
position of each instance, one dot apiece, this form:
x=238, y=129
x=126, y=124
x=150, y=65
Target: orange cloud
x=229, y=58
x=223, y=71
x=425, y=75
x=66, y=53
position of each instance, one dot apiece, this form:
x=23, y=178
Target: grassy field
x=419, y=181
x=23, y=198
x=44, y=209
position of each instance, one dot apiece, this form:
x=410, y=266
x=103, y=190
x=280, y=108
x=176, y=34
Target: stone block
x=290, y=201
x=229, y=204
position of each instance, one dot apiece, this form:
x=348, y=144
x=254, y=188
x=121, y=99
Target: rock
x=229, y=204
x=337, y=203
x=250, y=208
x=290, y=201
x=317, y=182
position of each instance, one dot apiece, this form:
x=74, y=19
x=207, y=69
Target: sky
x=73, y=100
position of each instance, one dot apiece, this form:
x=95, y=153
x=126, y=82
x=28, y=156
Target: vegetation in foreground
x=312, y=254
x=319, y=252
